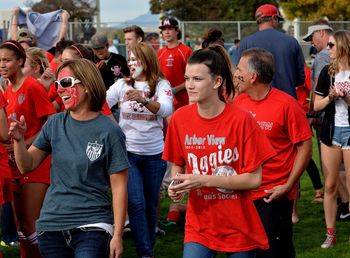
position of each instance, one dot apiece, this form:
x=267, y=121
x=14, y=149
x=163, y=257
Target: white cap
x=315, y=28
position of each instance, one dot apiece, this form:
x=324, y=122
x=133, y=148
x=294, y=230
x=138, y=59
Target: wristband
x=146, y=102
x=173, y=90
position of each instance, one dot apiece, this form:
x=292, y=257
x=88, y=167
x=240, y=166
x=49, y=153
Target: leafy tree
x=214, y=10
x=81, y=9
x=315, y=9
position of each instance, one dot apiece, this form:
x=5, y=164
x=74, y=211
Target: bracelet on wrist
x=173, y=90
x=146, y=102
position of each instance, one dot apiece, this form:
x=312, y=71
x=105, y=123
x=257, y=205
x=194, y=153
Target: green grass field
x=309, y=233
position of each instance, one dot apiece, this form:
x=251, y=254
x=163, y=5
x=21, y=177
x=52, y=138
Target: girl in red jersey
x=222, y=149
x=26, y=96
x=38, y=67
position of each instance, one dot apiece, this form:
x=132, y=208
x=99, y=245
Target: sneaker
x=160, y=232
x=318, y=197
x=166, y=223
x=9, y=244
x=330, y=241
x=343, y=211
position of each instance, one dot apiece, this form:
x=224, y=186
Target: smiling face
x=74, y=98
x=134, y=66
x=9, y=64
x=332, y=48
x=200, y=85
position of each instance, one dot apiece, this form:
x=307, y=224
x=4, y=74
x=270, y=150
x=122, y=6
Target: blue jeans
x=145, y=176
x=195, y=250
x=74, y=243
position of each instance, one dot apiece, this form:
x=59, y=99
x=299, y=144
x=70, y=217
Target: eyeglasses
x=67, y=82
x=330, y=44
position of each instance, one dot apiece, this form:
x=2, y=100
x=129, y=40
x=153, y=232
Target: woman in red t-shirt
x=25, y=96
x=221, y=148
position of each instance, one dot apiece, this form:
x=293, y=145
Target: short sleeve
x=43, y=140
x=172, y=148
x=298, y=126
x=323, y=83
x=117, y=159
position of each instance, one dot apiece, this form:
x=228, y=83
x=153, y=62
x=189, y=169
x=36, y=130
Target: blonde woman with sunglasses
x=88, y=157
x=26, y=97
x=332, y=97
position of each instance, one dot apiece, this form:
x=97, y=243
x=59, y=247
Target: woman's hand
x=47, y=78
x=333, y=93
x=116, y=247
x=18, y=128
x=185, y=183
x=135, y=95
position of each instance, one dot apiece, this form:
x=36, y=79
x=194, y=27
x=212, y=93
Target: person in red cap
x=173, y=59
x=286, y=51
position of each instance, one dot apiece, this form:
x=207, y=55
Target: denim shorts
x=341, y=137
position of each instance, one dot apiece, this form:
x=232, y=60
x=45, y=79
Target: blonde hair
x=149, y=61
x=342, y=56
x=37, y=56
x=90, y=77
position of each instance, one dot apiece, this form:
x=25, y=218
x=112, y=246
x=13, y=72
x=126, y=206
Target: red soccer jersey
x=31, y=101
x=285, y=124
x=229, y=144
x=173, y=64
x=4, y=166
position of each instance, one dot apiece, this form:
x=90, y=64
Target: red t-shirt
x=54, y=65
x=4, y=166
x=31, y=101
x=284, y=123
x=229, y=144
x=173, y=65
x=303, y=91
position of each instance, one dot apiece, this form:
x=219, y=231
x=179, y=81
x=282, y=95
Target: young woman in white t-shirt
x=332, y=97
x=145, y=99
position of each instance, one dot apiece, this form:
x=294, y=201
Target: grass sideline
x=309, y=233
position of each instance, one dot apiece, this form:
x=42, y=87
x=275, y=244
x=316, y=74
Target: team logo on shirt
x=116, y=70
x=21, y=98
x=93, y=150
x=170, y=61
x=224, y=171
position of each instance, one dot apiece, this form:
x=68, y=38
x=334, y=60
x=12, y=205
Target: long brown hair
x=146, y=55
x=342, y=56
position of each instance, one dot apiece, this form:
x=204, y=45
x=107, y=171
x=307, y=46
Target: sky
x=111, y=10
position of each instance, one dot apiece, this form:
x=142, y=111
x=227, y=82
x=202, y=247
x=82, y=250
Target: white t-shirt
x=142, y=128
x=342, y=82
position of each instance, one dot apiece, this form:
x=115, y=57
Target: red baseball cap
x=267, y=10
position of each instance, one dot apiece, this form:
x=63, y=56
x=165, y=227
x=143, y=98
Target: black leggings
x=314, y=175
